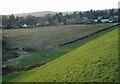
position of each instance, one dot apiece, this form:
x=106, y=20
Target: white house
x=95, y=20
x=25, y=25
x=104, y=20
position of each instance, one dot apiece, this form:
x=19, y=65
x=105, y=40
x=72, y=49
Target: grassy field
x=47, y=40
x=96, y=61
x=48, y=37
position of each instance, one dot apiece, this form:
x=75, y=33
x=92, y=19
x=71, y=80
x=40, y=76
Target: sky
x=25, y=6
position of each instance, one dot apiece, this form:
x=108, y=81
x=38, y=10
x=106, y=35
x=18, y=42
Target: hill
x=37, y=14
x=40, y=14
x=96, y=61
x=45, y=42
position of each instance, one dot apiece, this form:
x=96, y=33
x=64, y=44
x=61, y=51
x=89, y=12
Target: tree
x=49, y=18
x=4, y=20
x=31, y=20
x=11, y=19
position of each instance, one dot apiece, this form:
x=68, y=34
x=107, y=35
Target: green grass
x=46, y=56
x=96, y=61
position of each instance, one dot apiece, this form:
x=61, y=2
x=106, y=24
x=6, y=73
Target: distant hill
x=40, y=14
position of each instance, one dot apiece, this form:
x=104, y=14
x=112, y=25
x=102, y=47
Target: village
x=87, y=17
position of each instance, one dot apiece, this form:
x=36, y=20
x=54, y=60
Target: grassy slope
x=45, y=56
x=94, y=61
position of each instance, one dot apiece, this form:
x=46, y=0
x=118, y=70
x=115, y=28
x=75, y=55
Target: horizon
x=8, y=7
x=56, y=11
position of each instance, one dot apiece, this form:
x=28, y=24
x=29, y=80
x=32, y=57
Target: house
x=60, y=23
x=1, y=26
x=25, y=25
x=99, y=17
x=84, y=18
x=104, y=20
x=115, y=19
x=95, y=20
x=38, y=24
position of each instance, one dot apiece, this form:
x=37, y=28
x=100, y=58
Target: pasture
x=50, y=38
x=96, y=61
x=44, y=38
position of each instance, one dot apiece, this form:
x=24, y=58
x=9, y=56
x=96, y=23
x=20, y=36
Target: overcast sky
x=24, y=6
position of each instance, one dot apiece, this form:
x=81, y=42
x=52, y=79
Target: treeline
x=88, y=17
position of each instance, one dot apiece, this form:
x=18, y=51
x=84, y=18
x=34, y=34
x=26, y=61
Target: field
x=95, y=61
x=46, y=41
x=48, y=37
